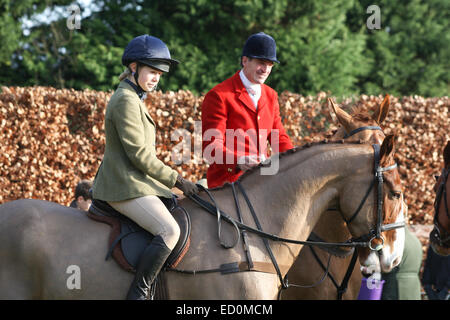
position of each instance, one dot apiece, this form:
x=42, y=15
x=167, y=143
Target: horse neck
x=290, y=203
x=331, y=227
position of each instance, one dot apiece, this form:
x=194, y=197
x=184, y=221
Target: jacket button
x=259, y=118
x=230, y=170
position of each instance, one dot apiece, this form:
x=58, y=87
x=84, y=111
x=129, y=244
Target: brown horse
x=440, y=235
x=53, y=252
x=307, y=276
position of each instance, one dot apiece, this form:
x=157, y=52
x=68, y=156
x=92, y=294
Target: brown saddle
x=128, y=240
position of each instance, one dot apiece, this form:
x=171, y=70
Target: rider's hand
x=189, y=188
x=247, y=162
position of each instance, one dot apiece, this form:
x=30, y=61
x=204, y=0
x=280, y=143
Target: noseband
x=439, y=235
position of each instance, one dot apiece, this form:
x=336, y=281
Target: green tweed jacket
x=130, y=168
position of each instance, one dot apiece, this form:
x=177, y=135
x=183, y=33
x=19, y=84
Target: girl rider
x=131, y=177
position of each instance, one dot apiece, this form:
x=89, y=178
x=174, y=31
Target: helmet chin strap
x=139, y=91
x=136, y=77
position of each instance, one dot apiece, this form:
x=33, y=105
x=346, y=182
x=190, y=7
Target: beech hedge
x=52, y=138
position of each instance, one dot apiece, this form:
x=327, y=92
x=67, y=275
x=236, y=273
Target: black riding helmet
x=150, y=51
x=261, y=46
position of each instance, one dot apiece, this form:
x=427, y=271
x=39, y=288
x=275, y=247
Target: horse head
x=380, y=223
x=440, y=235
x=361, y=125
x=367, y=128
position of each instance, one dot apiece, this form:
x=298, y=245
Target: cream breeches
x=150, y=213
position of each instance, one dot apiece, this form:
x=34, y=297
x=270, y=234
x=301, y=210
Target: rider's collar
x=141, y=93
x=253, y=89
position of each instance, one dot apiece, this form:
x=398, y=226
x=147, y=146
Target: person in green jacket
x=131, y=178
x=403, y=282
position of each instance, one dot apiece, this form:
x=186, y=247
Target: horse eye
x=396, y=194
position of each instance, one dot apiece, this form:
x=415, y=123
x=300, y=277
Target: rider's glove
x=189, y=188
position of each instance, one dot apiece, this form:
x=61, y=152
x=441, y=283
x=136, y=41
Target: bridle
x=375, y=233
x=341, y=288
x=439, y=235
x=351, y=133
x=362, y=241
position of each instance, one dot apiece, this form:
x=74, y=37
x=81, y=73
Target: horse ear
x=381, y=112
x=387, y=150
x=447, y=154
x=343, y=117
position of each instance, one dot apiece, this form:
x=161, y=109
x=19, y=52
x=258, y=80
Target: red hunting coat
x=232, y=127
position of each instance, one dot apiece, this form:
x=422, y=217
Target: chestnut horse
x=327, y=273
x=49, y=251
x=440, y=235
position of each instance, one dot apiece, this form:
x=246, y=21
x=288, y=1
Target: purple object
x=371, y=289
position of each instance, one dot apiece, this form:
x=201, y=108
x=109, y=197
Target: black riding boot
x=151, y=262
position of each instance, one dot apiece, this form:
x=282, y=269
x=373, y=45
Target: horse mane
x=288, y=153
x=361, y=113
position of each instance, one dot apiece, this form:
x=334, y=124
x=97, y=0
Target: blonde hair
x=125, y=74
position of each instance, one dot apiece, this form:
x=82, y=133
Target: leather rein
x=239, y=226
x=362, y=241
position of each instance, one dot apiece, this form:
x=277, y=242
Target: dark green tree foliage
x=11, y=39
x=51, y=54
x=322, y=45
x=316, y=49
x=410, y=52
